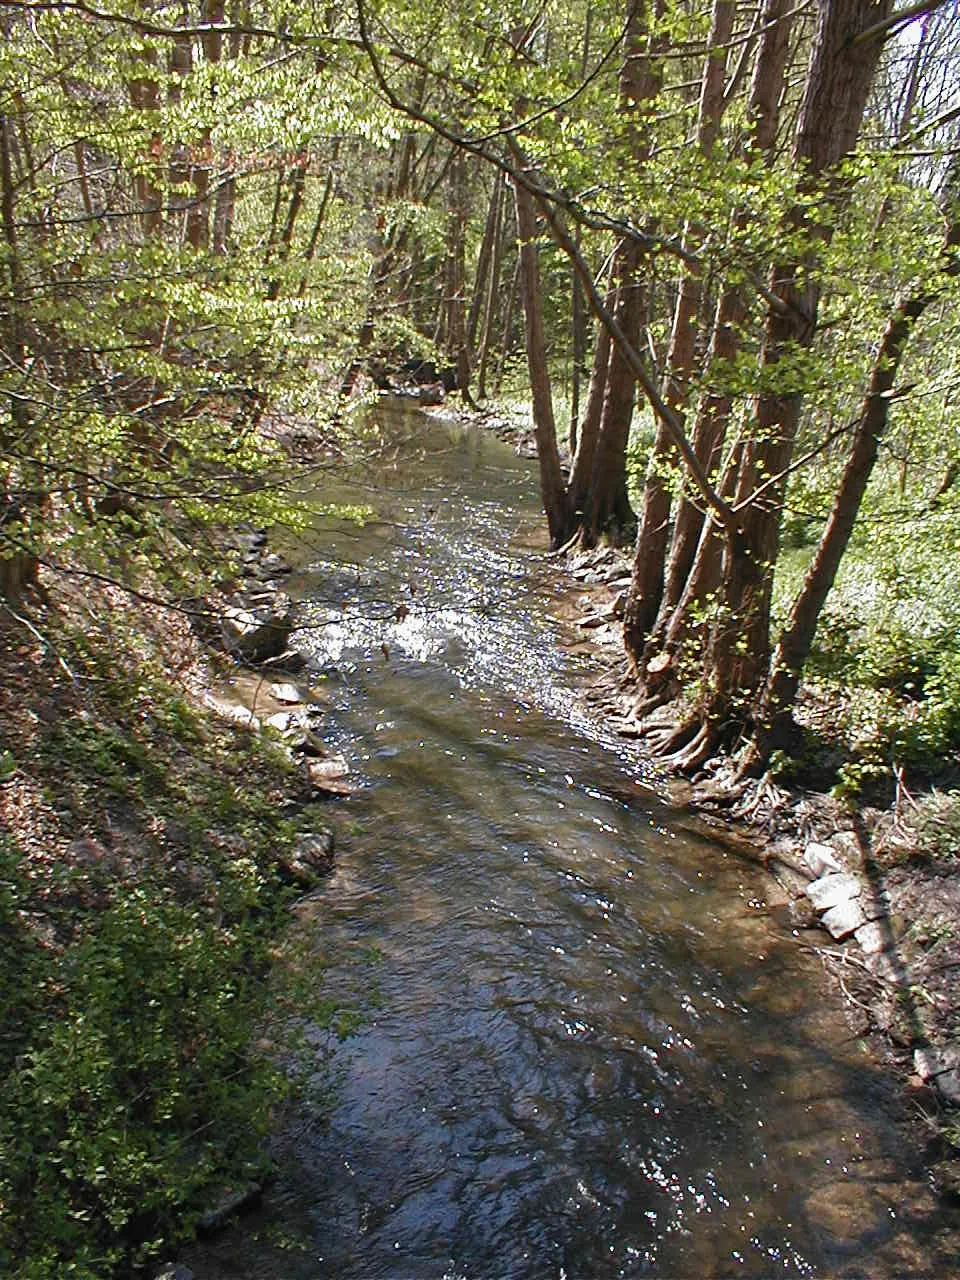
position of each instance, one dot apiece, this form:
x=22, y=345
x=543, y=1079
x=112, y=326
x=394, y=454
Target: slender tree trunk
x=491, y=231
x=458, y=349
x=145, y=97
x=491, y=292
x=838, y=84
x=552, y=488
x=687, y=555
x=796, y=640
x=606, y=509
x=507, y=327
x=18, y=567
x=646, y=588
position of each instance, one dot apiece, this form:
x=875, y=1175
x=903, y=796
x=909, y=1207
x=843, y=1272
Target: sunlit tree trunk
x=646, y=588
x=837, y=87
x=552, y=488
x=796, y=640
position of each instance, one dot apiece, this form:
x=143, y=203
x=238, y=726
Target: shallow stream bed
x=594, y=1052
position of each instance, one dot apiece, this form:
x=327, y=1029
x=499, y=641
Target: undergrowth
x=138, y=919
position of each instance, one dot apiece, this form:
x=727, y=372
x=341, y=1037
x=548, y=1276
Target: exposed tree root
x=696, y=752
x=653, y=702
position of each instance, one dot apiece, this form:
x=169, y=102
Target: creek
x=594, y=1051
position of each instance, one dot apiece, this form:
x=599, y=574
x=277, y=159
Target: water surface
x=596, y=1054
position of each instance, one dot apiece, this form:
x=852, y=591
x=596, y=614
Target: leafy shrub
x=130, y=1088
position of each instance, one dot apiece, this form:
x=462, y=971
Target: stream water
x=595, y=1054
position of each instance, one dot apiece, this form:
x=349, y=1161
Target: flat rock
x=873, y=937
x=591, y=621
x=821, y=858
x=232, y=1203
x=286, y=693
x=931, y=1062
x=329, y=776
x=832, y=889
x=843, y=919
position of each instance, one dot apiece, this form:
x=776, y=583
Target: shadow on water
x=596, y=1055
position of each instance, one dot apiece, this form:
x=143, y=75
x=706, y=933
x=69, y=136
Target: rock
x=948, y=1084
x=873, y=937
x=843, y=919
x=821, y=858
x=832, y=889
x=883, y=965
x=328, y=776
x=232, y=1203
x=232, y=711
x=619, y=606
x=930, y=1062
x=174, y=1271
x=291, y=661
x=288, y=694
x=591, y=621
x=310, y=858
x=271, y=566
x=258, y=633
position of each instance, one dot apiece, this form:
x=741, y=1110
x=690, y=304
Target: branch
x=898, y=19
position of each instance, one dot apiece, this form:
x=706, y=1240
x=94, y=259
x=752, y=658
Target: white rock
x=873, y=937
x=288, y=694
x=843, y=919
x=832, y=889
x=821, y=858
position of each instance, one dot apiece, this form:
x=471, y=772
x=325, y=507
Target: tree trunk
x=552, y=488
x=838, y=83
x=491, y=293
x=715, y=406
x=599, y=476
x=796, y=640
x=646, y=588
x=607, y=509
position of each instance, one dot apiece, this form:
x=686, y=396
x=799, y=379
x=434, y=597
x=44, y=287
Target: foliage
x=133, y=975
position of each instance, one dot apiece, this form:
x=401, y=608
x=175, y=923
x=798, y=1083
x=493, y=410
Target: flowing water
x=595, y=1053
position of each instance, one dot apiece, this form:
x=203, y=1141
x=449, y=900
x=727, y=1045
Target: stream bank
x=878, y=903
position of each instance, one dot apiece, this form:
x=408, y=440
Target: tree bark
x=837, y=86
x=796, y=640
x=716, y=405
x=552, y=488
x=646, y=588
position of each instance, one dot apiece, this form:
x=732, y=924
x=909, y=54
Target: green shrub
x=131, y=1088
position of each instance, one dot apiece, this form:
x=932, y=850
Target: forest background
x=712, y=247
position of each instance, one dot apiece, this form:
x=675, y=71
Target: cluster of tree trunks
x=698, y=613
